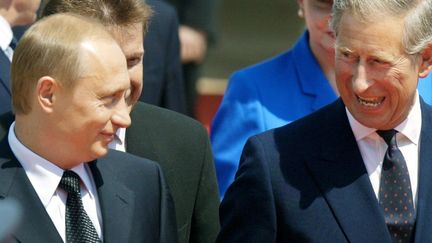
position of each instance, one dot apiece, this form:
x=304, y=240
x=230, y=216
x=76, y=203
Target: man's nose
x=121, y=117
x=361, y=81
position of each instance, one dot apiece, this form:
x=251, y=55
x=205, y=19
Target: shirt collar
x=44, y=175
x=6, y=33
x=410, y=127
x=119, y=140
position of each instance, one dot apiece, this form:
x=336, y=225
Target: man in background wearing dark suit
x=358, y=170
x=197, y=31
x=70, y=86
x=180, y=144
x=163, y=74
x=12, y=13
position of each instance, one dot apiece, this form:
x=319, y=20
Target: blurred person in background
x=197, y=31
x=164, y=86
x=12, y=13
x=280, y=90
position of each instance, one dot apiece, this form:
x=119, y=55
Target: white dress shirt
x=6, y=36
x=45, y=178
x=373, y=147
x=119, y=140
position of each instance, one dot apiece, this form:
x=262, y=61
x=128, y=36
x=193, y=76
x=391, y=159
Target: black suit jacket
x=134, y=201
x=181, y=146
x=5, y=89
x=163, y=78
x=306, y=182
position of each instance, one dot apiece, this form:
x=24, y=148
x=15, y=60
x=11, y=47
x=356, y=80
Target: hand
x=193, y=44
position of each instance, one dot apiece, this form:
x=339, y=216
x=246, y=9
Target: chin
x=99, y=152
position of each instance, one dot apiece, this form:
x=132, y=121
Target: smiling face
x=130, y=40
x=86, y=116
x=376, y=79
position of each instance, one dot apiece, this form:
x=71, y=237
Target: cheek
x=343, y=69
x=136, y=78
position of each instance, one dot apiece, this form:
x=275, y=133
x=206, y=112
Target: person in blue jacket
x=280, y=90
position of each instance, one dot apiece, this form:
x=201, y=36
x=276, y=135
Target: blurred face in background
x=25, y=11
x=317, y=14
x=130, y=39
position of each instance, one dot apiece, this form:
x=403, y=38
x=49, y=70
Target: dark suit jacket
x=163, y=78
x=5, y=89
x=181, y=146
x=134, y=200
x=306, y=182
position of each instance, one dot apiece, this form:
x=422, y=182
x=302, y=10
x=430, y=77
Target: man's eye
x=346, y=54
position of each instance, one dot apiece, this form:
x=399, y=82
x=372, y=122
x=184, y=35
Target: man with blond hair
x=178, y=143
x=70, y=86
x=12, y=13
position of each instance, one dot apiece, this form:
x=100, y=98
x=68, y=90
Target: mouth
x=370, y=102
x=108, y=137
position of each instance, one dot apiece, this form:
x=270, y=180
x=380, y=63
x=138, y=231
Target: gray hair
x=417, y=14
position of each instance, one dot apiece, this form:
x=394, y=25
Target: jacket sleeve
x=239, y=116
x=248, y=211
x=205, y=221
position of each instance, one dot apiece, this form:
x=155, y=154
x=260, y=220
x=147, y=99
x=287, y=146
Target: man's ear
x=46, y=92
x=426, y=61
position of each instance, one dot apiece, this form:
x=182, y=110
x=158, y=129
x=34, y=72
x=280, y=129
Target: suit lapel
x=424, y=203
x=314, y=84
x=138, y=141
x=35, y=225
x=340, y=173
x=116, y=202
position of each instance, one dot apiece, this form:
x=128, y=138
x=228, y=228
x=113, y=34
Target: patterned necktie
x=79, y=228
x=395, y=194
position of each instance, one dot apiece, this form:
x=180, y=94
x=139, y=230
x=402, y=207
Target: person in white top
x=70, y=88
x=12, y=13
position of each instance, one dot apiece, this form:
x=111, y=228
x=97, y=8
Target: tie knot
x=13, y=43
x=387, y=135
x=70, y=182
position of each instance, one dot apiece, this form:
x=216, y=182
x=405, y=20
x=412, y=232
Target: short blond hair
x=51, y=47
x=118, y=13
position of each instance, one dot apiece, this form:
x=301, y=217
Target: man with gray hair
x=358, y=170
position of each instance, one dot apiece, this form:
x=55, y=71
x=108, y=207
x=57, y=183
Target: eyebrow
x=343, y=49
